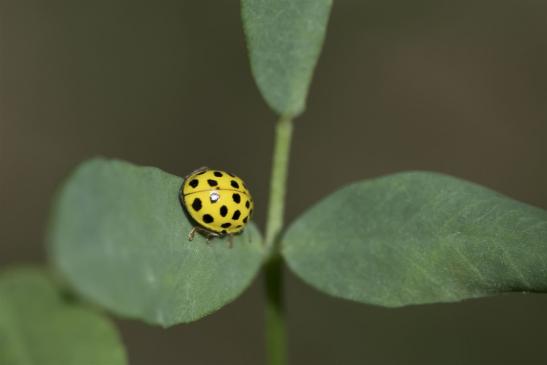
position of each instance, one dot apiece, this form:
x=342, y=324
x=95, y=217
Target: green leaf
x=284, y=39
x=119, y=235
x=417, y=237
x=37, y=327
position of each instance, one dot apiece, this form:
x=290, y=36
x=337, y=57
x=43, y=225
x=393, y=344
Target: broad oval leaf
x=37, y=327
x=418, y=237
x=120, y=237
x=284, y=39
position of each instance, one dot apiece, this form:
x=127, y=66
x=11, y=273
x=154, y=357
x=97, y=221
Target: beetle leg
x=192, y=233
x=204, y=232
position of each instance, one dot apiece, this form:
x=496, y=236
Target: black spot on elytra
x=196, y=204
x=245, y=219
x=234, y=184
x=208, y=218
x=247, y=204
x=225, y=225
x=236, y=215
x=239, y=226
x=223, y=210
x=236, y=197
x=217, y=173
x=223, y=231
x=212, y=182
x=194, y=183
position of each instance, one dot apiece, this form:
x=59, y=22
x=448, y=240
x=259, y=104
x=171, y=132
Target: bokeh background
x=453, y=86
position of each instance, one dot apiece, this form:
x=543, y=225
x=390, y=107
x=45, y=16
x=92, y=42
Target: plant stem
x=278, y=183
x=276, y=331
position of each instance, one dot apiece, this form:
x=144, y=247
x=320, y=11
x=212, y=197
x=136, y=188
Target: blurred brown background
x=453, y=86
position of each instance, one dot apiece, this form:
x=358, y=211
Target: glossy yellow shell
x=217, y=200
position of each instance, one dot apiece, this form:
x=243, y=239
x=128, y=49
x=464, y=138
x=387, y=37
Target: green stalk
x=276, y=328
x=278, y=183
x=276, y=331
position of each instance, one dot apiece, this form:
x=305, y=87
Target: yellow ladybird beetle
x=217, y=201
